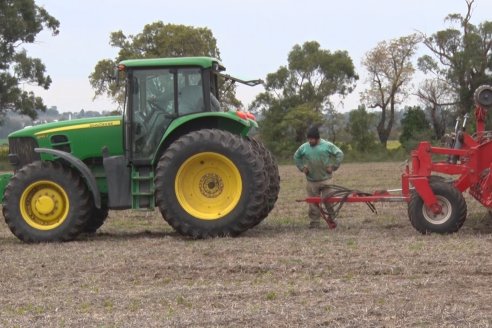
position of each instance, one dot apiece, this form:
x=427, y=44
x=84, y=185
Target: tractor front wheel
x=210, y=183
x=45, y=202
x=450, y=219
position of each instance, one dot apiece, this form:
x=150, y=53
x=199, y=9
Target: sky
x=254, y=37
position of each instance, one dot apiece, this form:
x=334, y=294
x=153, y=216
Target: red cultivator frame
x=435, y=204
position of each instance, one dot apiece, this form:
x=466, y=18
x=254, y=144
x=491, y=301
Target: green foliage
x=360, y=126
x=157, y=40
x=377, y=154
x=20, y=23
x=417, y=137
x=297, y=95
x=462, y=56
x=4, y=151
x=334, y=122
x=283, y=131
x=416, y=128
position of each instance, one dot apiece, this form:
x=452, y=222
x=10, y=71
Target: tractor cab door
x=158, y=96
x=151, y=109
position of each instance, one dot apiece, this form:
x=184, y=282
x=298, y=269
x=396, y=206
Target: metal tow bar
x=332, y=200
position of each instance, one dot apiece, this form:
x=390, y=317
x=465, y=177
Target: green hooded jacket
x=317, y=159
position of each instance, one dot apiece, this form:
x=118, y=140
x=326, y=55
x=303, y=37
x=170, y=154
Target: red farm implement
x=435, y=201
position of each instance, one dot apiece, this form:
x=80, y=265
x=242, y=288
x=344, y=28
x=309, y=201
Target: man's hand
x=305, y=170
x=332, y=168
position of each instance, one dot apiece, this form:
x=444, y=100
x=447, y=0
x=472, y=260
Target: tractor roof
x=204, y=62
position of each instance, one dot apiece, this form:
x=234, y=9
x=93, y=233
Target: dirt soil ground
x=372, y=271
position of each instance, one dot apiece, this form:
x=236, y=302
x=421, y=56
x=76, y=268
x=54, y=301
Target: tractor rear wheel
x=450, y=219
x=46, y=202
x=272, y=177
x=210, y=183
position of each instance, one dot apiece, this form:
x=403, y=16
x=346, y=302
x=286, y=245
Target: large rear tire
x=46, y=202
x=451, y=218
x=209, y=183
x=272, y=177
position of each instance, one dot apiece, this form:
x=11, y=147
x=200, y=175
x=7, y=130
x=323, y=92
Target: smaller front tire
x=46, y=202
x=96, y=219
x=450, y=219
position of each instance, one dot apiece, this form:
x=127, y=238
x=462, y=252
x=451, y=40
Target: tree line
x=298, y=94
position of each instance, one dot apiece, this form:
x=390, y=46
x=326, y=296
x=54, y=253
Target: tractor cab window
x=153, y=109
x=190, y=91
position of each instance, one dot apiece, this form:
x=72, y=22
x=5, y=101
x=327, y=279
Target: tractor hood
x=83, y=138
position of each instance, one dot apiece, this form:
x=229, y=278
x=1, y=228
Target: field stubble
x=372, y=271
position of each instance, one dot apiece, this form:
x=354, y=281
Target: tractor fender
x=228, y=121
x=81, y=167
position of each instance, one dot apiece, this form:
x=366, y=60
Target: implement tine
x=330, y=211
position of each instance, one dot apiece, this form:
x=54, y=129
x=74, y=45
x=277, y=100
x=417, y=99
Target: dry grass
x=372, y=271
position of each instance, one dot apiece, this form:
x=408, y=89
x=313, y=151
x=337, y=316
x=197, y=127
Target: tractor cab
x=158, y=91
x=158, y=95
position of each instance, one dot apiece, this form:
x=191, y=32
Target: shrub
x=4, y=151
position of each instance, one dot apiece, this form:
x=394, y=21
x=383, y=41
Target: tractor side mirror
x=118, y=70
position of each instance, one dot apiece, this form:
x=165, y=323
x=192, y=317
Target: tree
x=415, y=127
x=462, y=56
x=20, y=23
x=297, y=95
x=334, y=123
x=360, y=125
x=436, y=96
x=156, y=40
x=390, y=72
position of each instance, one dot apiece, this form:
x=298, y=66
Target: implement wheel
x=46, y=202
x=210, y=183
x=450, y=219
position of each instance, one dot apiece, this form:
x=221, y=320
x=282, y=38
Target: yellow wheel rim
x=208, y=186
x=44, y=205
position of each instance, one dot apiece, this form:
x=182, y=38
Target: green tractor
x=174, y=147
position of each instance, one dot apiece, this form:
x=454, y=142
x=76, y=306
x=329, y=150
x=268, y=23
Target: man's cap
x=313, y=132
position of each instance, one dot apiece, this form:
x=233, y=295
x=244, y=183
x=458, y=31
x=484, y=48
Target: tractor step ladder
x=143, y=188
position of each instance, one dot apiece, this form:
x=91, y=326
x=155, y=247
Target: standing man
x=317, y=159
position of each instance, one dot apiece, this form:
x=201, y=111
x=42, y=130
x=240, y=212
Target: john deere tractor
x=174, y=147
